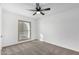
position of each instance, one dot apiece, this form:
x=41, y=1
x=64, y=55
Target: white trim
x=19, y=42
x=62, y=46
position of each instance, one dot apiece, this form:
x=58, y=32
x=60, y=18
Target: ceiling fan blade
x=34, y=13
x=42, y=13
x=45, y=9
x=32, y=10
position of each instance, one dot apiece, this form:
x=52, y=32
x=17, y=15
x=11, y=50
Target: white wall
x=10, y=27
x=0, y=26
x=62, y=29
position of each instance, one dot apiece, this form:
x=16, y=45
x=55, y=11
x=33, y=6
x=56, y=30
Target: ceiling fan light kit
x=38, y=12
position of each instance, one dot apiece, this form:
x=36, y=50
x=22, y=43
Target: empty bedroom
x=39, y=28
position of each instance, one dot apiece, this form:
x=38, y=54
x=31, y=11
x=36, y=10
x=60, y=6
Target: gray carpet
x=36, y=48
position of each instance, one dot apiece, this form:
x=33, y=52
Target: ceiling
x=23, y=8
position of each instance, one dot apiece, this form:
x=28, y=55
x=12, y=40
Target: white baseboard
x=18, y=42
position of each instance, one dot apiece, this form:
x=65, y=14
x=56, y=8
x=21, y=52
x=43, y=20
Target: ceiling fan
x=39, y=10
